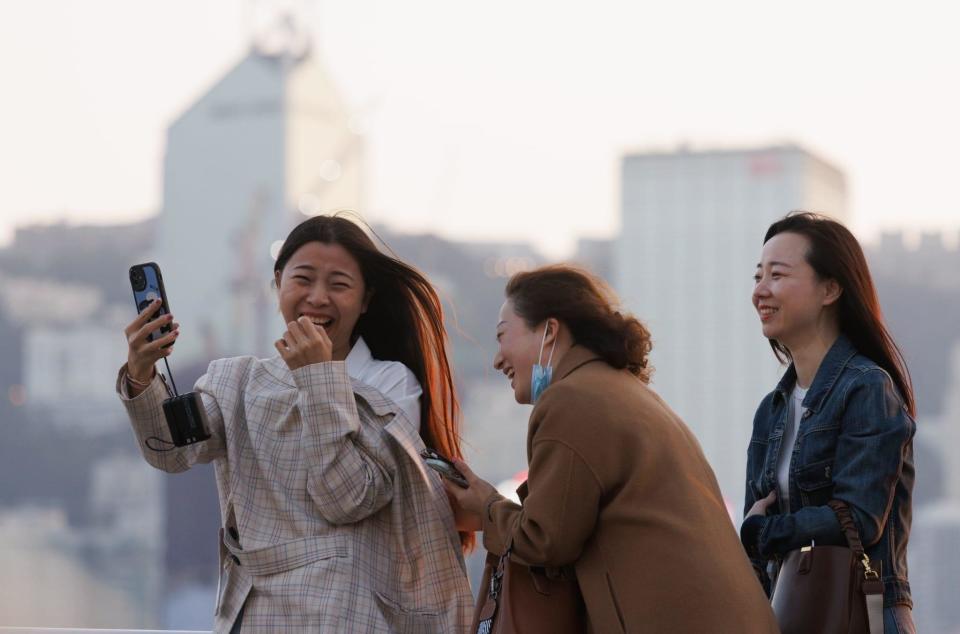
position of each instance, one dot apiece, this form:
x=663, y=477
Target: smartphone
x=147, y=284
x=444, y=467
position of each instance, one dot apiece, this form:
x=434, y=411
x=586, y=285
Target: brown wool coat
x=619, y=487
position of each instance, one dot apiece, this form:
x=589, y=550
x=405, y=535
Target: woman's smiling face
x=517, y=350
x=789, y=297
x=324, y=283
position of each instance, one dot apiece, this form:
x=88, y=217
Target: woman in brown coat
x=618, y=486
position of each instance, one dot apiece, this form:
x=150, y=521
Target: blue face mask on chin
x=541, y=375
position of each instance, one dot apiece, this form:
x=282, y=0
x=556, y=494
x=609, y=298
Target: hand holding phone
x=151, y=335
x=150, y=338
x=444, y=467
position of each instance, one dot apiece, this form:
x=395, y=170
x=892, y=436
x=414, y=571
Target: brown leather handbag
x=518, y=599
x=830, y=589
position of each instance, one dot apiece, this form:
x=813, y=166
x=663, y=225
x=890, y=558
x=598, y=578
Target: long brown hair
x=835, y=254
x=587, y=306
x=403, y=322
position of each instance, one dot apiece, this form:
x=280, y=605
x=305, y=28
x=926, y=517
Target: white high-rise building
x=269, y=144
x=692, y=229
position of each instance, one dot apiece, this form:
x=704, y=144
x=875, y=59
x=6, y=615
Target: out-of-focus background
x=653, y=143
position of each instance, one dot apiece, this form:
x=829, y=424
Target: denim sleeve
x=870, y=453
x=749, y=531
x=747, y=535
x=869, y=458
x=756, y=452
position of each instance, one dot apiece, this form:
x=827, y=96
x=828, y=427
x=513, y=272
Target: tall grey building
x=269, y=144
x=692, y=230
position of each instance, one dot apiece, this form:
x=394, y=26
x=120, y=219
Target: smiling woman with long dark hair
x=839, y=425
x=330, y=521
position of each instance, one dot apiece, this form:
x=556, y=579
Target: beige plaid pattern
x=340, y=527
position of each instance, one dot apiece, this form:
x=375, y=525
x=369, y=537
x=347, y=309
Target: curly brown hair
x=588, y=307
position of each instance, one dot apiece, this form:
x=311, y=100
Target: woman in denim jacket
x=839, y=425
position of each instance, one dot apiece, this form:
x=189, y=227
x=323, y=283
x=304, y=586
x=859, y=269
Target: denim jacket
x=855, y=444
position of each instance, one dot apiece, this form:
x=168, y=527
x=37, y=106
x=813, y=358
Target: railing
x=72, y=630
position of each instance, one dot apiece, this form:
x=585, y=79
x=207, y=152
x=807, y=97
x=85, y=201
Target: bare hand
x=143, y=354
x=304, y=344
x=468, y=503
x=760, y=506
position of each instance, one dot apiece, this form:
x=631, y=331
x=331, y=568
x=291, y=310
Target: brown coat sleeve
x=561, y=508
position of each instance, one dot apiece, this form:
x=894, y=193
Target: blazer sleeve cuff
x=124, y=392
x=327, y=374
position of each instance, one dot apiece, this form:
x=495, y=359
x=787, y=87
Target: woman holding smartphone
x=839, y=425
x=618, y=487
x=330, y=521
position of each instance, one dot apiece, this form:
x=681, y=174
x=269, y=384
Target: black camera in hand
x=186, y=419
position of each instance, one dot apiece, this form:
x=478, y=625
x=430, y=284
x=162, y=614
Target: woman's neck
x=341, y=354
x=808, y=354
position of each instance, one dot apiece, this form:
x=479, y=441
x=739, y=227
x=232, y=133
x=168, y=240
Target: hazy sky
x=502, y=120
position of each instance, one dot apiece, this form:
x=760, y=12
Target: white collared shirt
x=391, y=378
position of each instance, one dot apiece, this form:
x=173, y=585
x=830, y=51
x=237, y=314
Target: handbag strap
x=848, y=527
x=496, y=578
x=853, y=536
x=871, y=585
x=483, y=623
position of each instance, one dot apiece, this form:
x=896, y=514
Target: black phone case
x=147, y=285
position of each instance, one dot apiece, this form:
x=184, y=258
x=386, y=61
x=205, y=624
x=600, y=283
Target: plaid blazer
x=331, y=523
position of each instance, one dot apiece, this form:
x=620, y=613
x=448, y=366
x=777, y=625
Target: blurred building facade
x=53, y=574
x=934, y=550
x=269, y=144
x=934, y=555
x=931, y=262
x=67, y=371
x=692, y=229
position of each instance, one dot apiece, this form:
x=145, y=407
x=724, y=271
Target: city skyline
x=520, y=139
x=495, y=425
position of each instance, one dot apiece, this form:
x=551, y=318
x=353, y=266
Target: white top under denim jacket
x=789, y=441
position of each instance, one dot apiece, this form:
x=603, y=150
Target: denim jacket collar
x=830, y=368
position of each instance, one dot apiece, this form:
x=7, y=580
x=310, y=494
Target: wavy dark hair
x=588, y=307
x=403, y=322
x=835, y=254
